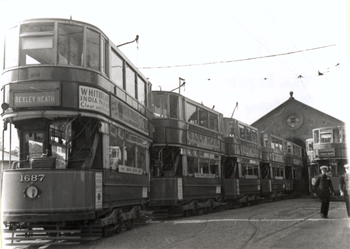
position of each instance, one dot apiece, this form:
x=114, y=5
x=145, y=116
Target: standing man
x=344, y=187
x=324, y=190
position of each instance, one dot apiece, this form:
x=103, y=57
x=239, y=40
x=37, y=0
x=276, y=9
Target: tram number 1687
x=32, y=178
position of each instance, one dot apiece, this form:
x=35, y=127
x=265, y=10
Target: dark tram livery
x=273, y=166
x=241, y=166
x=99, y=150
x=327, y=147
x=82, y=114
x=186, y=154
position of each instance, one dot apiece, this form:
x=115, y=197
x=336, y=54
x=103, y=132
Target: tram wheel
x=108, y=231
x=200, y=211
x=129, y=224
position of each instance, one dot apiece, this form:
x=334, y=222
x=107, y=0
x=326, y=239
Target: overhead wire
x=296, y=48
x=238, y=60
x=262, y=44
x=288, y=38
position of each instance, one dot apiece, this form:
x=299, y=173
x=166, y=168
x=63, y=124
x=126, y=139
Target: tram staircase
x=84, y=146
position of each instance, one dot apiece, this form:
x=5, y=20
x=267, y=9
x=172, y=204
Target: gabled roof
x=292, y=99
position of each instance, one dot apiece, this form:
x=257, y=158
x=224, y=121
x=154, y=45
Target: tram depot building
x=294, y=121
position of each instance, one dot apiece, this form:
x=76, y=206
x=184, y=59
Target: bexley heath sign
x=26, y=99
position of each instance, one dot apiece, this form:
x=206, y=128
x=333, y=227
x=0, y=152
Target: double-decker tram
x=241, y=166
x=294, y=168
x=273, y=166
x=186, y=156
x=328, y=147
x=82, y=113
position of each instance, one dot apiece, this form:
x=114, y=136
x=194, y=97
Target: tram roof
x=88, y=24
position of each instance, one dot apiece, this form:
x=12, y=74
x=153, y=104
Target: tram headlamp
x=5, y=106
x=32, y=191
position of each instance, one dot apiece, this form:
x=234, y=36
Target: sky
x=253, y=53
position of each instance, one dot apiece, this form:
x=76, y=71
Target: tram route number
x=32, y=178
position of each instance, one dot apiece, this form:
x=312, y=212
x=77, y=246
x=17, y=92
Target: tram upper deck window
x=104, y=56
x=117, y=69
x=213, y=121
x=37, y=43
x=93, y=49
x=336, y=135
x=296, y=150
x=248, y=133
x=191, y=113
x=11, y=48
x=242, y=131
x=276, y=144
x=266, y=141
x=326, y=136
x=342, y=135
x=141, y=91
x=130, y=78
x=254, y=136
x=316, y=136
x=310, y=145
x=174, y=105
x=160, y=106
x=70, y=44
x=203, y=117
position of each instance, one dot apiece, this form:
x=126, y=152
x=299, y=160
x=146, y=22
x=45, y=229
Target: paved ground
x=291, y=223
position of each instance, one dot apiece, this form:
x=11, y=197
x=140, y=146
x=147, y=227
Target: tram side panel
x=50, y=195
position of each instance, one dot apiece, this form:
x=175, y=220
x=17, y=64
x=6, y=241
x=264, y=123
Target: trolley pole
x=180, y=85
x=181, y=79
